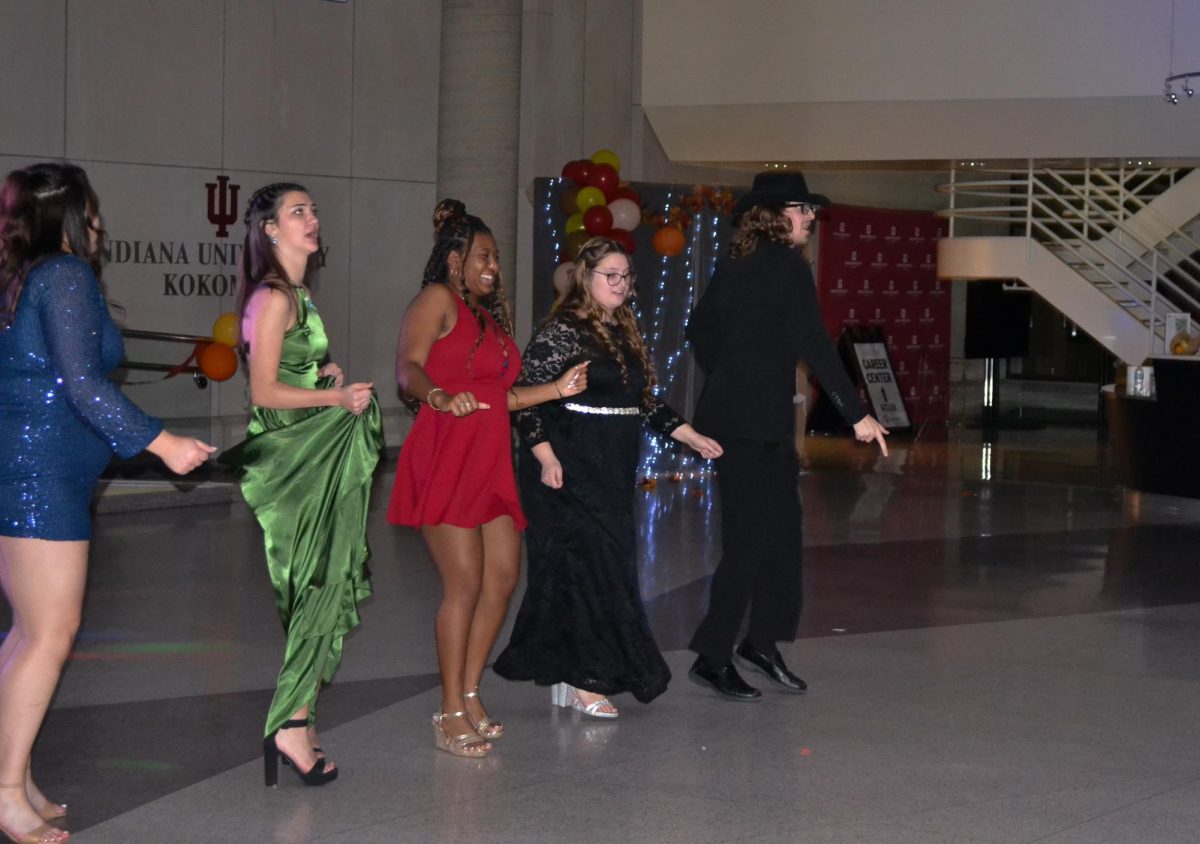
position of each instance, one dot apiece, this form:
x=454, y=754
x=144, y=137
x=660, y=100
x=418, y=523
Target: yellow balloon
x=607, y=156
x=575, y=223
x=588, y=197
x=225, y=329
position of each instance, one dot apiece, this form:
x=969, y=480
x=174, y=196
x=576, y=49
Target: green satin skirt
x=307, y=478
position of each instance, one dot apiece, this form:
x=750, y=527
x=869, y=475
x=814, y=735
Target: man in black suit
x=758, y=317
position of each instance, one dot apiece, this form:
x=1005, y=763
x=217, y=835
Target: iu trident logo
x=223, y=211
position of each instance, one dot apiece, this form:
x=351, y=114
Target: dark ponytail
x=40, y=205
x=259, y=265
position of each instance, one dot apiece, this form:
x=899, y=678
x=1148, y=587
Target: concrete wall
x=861, y=80
x=158, y=99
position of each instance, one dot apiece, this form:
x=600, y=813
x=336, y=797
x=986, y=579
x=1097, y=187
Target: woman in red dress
x=454, y=480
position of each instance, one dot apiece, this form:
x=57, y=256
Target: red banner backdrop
x=878, y=268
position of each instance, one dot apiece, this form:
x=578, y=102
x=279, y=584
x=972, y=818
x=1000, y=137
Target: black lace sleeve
x=554, y=347
x=659, y=416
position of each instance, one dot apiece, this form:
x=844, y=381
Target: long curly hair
x=760, y=223
x=454, y=231
x=39, y=206
x=259, y=265
x=579, y=305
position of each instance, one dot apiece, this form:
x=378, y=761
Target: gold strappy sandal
x=488, y=727
x=468, y=745
x=51, y=811
x=44, y=834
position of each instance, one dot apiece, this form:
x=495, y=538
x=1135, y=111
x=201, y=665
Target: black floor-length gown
x=581, y=620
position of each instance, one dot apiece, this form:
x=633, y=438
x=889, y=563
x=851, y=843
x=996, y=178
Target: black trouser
x=762, y=550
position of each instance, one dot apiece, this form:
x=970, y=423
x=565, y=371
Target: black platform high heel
x=316, y=775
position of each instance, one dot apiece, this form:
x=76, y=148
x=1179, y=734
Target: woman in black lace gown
x=581, y=626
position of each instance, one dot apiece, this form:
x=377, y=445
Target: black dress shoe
x=724, y=680
x=772, y=666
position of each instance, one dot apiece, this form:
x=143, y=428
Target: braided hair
x=578, y=305
x=455, y=231
x=39, y=205
x=260, y=266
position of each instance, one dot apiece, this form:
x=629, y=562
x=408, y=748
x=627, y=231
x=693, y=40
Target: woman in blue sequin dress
x=61, y=420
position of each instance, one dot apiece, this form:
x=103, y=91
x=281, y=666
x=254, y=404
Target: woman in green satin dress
x=306, y=466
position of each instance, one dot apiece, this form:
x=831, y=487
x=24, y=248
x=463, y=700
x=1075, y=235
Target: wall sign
x=883, y=393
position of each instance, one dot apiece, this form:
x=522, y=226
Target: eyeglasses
x=804, y=207
x=615, y=279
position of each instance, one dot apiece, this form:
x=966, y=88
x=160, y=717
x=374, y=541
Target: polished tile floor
x=1001, y=646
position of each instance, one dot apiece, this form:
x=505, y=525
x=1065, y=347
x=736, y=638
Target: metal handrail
x=1136, y=257
x=198, y=377
x=1095, y=216
x=164, y=335
x=1139, y=259
x=1174, y=236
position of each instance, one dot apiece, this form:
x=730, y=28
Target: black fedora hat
x=778, y=187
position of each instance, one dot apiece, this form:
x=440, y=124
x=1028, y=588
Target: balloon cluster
x=598, y=204
x=669, y=240
x=217, y=359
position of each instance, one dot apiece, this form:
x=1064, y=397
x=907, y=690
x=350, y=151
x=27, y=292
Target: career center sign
x=882, y=389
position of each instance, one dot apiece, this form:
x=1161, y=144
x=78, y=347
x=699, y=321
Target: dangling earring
x=274, y=242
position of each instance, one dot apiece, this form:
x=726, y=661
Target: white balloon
x=626, y=214
x=562, y=277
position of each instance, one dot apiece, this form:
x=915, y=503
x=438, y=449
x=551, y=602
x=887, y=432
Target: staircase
x=1109, y=247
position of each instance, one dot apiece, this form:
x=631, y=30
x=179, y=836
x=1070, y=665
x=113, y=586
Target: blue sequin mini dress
x=61, y=416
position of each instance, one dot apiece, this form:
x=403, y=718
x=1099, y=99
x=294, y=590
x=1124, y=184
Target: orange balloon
x=218, y=361
x=669, y=241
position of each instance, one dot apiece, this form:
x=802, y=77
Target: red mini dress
x=458, y=470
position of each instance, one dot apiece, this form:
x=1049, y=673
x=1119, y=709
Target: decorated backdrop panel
x=667, y=285
x=878, y=268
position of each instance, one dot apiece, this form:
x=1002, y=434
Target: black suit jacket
x=757, y=318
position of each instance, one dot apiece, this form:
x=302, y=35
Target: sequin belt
x=602, y=411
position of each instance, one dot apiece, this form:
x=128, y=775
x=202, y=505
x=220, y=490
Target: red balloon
x=578, y=171
x=604, y=176
x=626, y=192
x=218, y=361
x=669, y=241
x=566, y=200
x=625, y=238
x=598, y=220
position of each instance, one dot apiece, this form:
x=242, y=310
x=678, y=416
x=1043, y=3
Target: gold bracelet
x=516, y=401
x=429, y=396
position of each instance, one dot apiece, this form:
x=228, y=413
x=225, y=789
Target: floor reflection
x=944, y=532
x=158, y=719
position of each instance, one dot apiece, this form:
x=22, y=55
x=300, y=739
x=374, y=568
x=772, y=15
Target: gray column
x=479, y=116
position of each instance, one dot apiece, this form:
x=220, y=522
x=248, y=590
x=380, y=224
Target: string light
x=661, y=457
x=553, y=189
x=652, y=464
